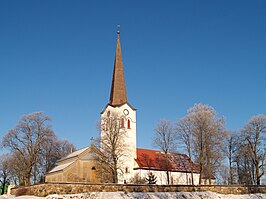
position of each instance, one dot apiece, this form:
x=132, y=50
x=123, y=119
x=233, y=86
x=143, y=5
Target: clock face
x=125, y=111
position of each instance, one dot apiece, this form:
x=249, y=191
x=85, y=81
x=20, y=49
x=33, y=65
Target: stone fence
x=74, y=188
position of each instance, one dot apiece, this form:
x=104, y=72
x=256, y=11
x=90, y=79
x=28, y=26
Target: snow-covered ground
x=137, y=195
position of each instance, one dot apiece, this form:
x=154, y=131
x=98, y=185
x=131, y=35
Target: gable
x=88, y=153
x=91, y=155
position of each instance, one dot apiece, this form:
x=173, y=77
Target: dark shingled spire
x=118, y=93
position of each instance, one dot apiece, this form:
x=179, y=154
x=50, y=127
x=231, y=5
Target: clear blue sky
x=57, y=57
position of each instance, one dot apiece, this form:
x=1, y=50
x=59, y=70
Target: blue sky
x=57, y=57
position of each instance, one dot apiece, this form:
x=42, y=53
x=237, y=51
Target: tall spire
x=118, y=93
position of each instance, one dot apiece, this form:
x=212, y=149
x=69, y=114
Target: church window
x=105, y=125
x=122, y=123
x=93, y=168
x=128, y=124
x=127, y=171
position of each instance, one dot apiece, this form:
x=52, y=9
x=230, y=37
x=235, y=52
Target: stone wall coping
x=79, y=187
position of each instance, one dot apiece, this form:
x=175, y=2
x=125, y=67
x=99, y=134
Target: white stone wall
x=175, y=177
x=127, y=162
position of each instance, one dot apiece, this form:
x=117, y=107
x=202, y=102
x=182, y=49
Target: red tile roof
x=156, y=160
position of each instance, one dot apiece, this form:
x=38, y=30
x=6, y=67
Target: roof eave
x=117, y=106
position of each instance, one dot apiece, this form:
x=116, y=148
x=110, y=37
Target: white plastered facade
x=127, y=162
x=181, y=178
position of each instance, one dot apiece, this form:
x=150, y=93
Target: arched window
x=126, y=170
x=122, y=123
x=128, y=124
x=93, y=168
x=105, y=125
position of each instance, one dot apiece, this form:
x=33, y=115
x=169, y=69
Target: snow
x=140, y=195
x=75, y=153
x=61, y=167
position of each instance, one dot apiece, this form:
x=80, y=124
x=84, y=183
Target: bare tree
x=231, y=147
x=185, y=137
x=113, y=147
x=254, y=134
x=137, y=179
x=51, y=151
x=203, y=134
x=64, y=147
x=164, y=139
x=17, y=168
x=4, y=171
x=223, y=175
x=27, y=138
x=244, y=165
x=241, y=168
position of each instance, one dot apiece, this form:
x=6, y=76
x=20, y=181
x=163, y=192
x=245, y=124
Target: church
x=84, y=165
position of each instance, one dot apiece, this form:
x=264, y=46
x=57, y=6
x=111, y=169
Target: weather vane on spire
x=118, y=28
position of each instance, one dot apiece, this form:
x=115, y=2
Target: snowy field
x=156, y=195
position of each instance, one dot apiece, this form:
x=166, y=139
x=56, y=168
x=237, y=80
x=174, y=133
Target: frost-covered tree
x=203, y=135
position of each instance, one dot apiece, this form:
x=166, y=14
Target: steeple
x=118, y=95
x=118, y=106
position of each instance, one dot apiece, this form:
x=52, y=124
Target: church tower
x=124, y=114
